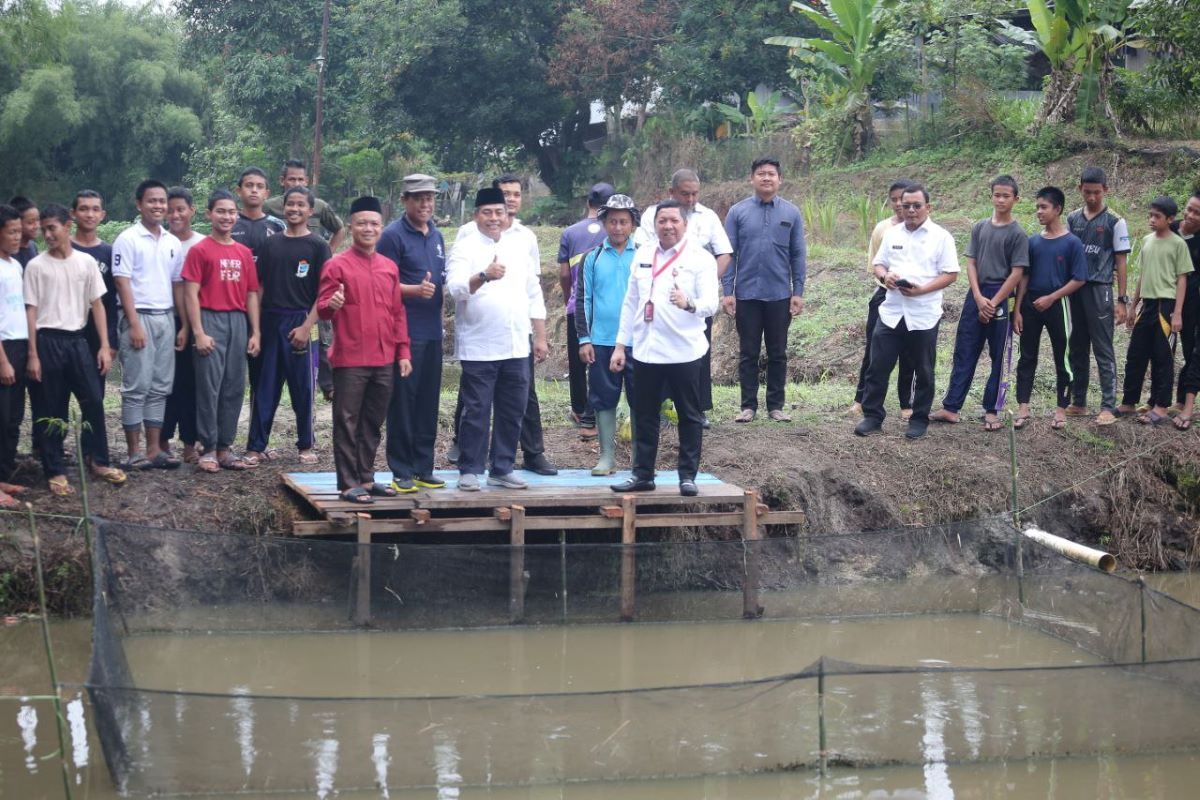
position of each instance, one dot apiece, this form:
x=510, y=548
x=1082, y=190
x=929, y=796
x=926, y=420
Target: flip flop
x=1058, y=424
x=1153, y=419
x=138, y=461
x=60, y=487
x=993, y=425
x=8, y=501
x=208, y=463
x=378, y=490
x=110, y=475
x=357, y=495
x=13, y=488
x=1183, y=422
x=164, y=460
x=1020, y=421
x=309, y=458
x=236, y=463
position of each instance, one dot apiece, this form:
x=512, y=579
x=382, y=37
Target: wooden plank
x=516, y=566
x=362, y=597
x=565, y=479
x=628, y=556
x=751, y=608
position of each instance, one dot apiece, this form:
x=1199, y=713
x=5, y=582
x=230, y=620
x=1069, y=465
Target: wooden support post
x=362, y=597
x=750, y=536
x=516, y=565
x=628, y=556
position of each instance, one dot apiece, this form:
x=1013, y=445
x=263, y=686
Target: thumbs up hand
x=339, y=297
x=428, y=288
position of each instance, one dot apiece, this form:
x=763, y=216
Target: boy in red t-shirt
x=222, y=297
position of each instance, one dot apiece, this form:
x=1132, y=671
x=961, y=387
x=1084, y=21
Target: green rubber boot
x=606, y=425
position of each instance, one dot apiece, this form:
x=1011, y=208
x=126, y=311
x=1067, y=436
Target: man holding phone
x=915, y=262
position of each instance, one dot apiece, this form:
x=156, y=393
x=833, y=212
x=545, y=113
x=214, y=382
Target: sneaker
x=509, y=480
x=403, y=485
x=468, y=482
x=868, y=427
x=453, y=454
x=705, y=422
x=428, y=482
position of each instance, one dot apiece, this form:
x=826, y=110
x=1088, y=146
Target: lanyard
x=657, y=270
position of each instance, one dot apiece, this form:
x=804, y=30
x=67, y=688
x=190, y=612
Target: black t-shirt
x=102, y=252
x=289, y=270
x=253, y=232
x=26, y=254
x=1193, y=245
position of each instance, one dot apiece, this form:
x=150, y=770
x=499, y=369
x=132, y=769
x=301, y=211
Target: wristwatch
x=1123, y=300
x=483, y=276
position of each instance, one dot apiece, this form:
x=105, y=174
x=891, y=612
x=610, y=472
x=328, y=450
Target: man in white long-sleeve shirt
x=672, y=288
x=497, y=305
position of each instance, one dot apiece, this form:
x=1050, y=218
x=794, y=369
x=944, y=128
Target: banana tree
x=848, y=55
x=764, y=117
x=1079, y=38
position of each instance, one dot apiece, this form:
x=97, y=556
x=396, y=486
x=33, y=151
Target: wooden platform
x=570, y=487
x=572, y=500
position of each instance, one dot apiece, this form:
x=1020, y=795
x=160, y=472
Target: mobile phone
x=904, y=283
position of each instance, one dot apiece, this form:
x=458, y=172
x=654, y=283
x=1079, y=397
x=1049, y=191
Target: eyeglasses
x=912, y=206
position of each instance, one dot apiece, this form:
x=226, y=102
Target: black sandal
x=377, y=490
x=357, y=495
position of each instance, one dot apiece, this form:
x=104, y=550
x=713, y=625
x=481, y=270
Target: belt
x=155, y=312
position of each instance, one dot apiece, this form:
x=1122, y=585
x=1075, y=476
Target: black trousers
x=181, y=403
x=887, y=347
x=360, y=405
x=412, y=419
x=1189, y=337
x=533, y=442
x=68, y=368
x=758, y=321
x=1149, y=347
x=1056, y=321
x=12, y=406
x=577, y=375
x=904, y=379
x=706, y=401
x=492, y=392
x=1189, y=381
x=681, y=383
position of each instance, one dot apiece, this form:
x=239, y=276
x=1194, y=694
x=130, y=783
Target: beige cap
x=419, y=183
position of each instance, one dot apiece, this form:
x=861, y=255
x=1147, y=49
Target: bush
x=1143, y=101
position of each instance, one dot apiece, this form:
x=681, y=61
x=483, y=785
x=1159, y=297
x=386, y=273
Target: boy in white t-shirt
x=60, y=287
x=14, y=345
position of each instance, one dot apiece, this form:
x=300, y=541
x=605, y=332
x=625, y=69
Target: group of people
x=1058, y=280
x=187, y=316
x=191, y=318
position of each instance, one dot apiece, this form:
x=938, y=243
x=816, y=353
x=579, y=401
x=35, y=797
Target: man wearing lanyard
x=672, y=288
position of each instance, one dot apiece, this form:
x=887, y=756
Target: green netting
x=231, y=663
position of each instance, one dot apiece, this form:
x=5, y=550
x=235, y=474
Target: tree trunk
x=864, y=129
x=1058, y=101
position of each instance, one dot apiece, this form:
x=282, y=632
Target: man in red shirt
x=360, y=293
x=221, y=287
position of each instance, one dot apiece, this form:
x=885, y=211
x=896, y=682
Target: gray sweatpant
x=148, y=374
x=221, y=379
x=1092, y=328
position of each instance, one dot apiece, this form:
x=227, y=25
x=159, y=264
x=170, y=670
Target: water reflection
x=27, y=720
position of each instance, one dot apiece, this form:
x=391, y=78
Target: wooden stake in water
x=59, y=724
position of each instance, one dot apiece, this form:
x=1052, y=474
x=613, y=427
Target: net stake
x=362, y=601
x=751, y=609
x=516, y=565
x=628, y=556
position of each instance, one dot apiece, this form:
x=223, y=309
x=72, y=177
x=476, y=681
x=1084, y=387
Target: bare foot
x=855, y=410
x=1077, y=411
x=945, y=415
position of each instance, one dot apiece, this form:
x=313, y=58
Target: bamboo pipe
x=1073, y=550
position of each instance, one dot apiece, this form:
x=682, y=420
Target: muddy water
x=935, y=719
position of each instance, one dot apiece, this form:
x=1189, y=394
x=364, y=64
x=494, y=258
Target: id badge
x=648, y=312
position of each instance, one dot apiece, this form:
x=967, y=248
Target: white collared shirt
x=494, y=323
x=14, y=324
x=151, y=264
x=674, y=336
x=703, y=227
x=920, y=256
x=518, y=230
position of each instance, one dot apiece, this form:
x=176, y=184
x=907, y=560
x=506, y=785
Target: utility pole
x=316, y=159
